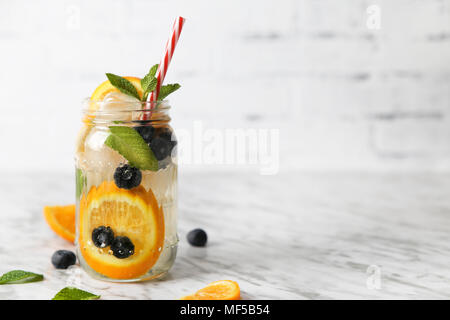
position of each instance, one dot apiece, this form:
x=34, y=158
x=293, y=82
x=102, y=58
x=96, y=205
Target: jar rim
x=125, y=111
x=145, y=106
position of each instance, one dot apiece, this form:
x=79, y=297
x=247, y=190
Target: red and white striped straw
x=165, y=61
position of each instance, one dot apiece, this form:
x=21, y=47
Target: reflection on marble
x=290, y=236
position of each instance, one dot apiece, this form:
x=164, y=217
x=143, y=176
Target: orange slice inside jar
x=132, y=213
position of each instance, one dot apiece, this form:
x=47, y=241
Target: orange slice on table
x=132, y=213
x=218, y=290
x=62, y=220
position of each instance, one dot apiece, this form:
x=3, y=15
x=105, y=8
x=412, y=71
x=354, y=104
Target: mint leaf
x=71, y=293
x=80, y=180
x=20, y=276
x=153, y=70
x=129, y=143
x=149, y=82
x=151, y=85
x=123, y=85
x=150, y=75
x=167, y=89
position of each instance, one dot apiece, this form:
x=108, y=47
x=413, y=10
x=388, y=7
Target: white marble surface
x=290, y=236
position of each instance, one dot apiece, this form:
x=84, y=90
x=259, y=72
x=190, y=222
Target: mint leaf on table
x=149, y=82
x=129, y=143
x=20, y=276
x=123, y=85
x=71, y=293
x=167, y=89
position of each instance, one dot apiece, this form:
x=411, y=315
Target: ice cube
x=162, y=183
x=100, y=156
x=98, y=161
x=115, y=106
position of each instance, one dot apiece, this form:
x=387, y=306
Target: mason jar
x=126, y=190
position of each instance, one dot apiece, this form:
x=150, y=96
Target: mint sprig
x=71, y=293
x=129, y=143
x=20, y=276
x=124, y=85
x=167, y=89
x=148, y=84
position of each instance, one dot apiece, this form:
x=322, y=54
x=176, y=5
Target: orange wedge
x=62, y=220
x=132, y=213
x=106, y=87
x=218, y=290
x=189, y=297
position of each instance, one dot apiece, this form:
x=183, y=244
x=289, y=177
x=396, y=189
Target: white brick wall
x=344, y=96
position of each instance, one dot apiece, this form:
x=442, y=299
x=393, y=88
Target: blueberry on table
x=122, y=247
x=102, y=236
x=62, y=259
x=197, y=238
x=127, y=177
x=146, y=132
